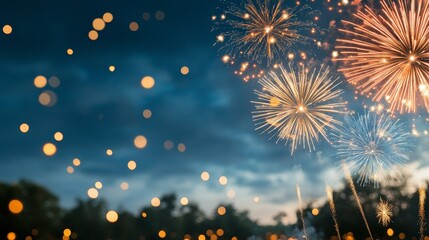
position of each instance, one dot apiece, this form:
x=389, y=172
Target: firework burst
x=373, y=146
x=384, y=212
x=298, y=106
x=388, y=53
x=260, y=31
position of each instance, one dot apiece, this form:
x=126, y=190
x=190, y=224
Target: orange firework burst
x=298, y=106
x=388, y=52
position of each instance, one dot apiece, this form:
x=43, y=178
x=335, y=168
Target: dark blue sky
x=209, y=110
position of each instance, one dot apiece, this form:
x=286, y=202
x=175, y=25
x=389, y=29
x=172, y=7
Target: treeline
x=42, y=218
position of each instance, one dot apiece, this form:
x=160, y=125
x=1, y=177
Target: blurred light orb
x=155, y=202
x=24, y=128
x=70, y=51
x=7, y=29
x=54, y=82
x=162, y=234
x=132, y=165
x=168, y=145
x=48, y=98
x=11, y=236
x=184, y=70
x=58, y=136
x=76, y=162
x=223, y=180
x=16, y=206
x=112, y=216
x=49, y=149
x=147, y=82
x=124, y=186
x=140, y=142
x=98, y=24
x=107, y=17
x=93, y=35
x=98, y=185
x=184, y=201
x=205, y=176
x=134, y=26
x=147, y=113
x=221, y=210
x=40, y=81
x=109, y=152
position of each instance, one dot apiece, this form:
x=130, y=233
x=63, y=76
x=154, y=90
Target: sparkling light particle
x=384, y=212
x=112, y=68
x=70, y=169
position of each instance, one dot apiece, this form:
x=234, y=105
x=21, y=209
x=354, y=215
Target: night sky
x=208, y=110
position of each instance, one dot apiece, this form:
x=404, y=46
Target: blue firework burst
x=373, y=146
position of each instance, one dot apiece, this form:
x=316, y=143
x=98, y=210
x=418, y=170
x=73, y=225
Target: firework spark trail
x=333, y=211
x=353, y=188
x=301, y=210
x=422, y=198
x=388, y=52
x=298, y=105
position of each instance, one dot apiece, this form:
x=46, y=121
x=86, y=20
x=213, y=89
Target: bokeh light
x=147, y=82
x=132, y=165
x=7, y=29
x=108, y=17
x=112, y=216
x=58, y=136
x=49, y=149
x=205, y=176
x=223, y=180
x=40, y=81
x=140, y=142
x=147, y=113
x=155, y=202
x=184, y=70
x=24, y=128
x=16, y=206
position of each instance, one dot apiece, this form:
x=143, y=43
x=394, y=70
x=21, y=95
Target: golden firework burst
x=387, y=53
x=384, y=212
x=298, y=105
